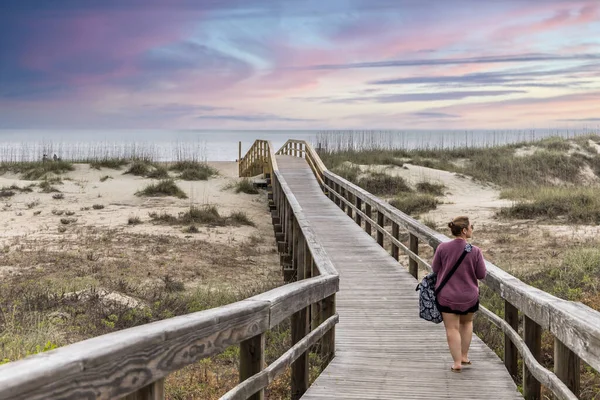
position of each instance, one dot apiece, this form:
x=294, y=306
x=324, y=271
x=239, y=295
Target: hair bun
x=450, y=224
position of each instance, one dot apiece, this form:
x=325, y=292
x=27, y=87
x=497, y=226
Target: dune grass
x=414, y=203
x=576, y=204
x=165, y=187
x=37, y=170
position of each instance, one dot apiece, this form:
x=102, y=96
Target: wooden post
x=358, y=203
x=240, y=159
x=337, y=190
x=532, y=334
x=567, y=366
x=348, y=208
x=295, y=149
x=511, y=316
x=367, y=223
x=395, y=235
x=300, y=328
x=252, y=360
x=328, y=340
x=413, y=245
x=344, y=195
x=153, y=391
x=379, y=233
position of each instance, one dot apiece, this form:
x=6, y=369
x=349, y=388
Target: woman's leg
x=466, y=333
x=452, y=324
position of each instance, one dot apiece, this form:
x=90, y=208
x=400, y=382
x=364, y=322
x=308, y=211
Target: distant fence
x=575, y=327
x=133, y=363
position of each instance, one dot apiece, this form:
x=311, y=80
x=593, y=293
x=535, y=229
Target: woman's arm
x=436, y=264
x=480, y=269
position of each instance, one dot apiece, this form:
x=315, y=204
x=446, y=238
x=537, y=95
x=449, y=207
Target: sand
x=31, y=214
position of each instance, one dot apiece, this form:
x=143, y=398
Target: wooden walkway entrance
x=383, y=349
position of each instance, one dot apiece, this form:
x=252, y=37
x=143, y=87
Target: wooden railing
x=133, y=363
x=300, y=148
x=257, y=160
x=575, y=327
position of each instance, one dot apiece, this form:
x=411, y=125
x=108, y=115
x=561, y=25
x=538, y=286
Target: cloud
x=418, y=97
x=520, y=58
x=579, y=119
x=254, y=118
x=426, y=114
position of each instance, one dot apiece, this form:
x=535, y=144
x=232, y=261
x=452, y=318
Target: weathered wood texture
x=574, y=324
x=383, y=350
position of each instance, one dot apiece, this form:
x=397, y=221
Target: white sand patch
x=594, y=145
x=463, y=195
x=31, y=214
x=526, y=151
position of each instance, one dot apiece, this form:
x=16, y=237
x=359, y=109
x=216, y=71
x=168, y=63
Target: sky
x=299, y=64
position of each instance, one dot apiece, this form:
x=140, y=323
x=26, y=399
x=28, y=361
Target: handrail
x=135, y=361
x=576, y=327
x=301, y=148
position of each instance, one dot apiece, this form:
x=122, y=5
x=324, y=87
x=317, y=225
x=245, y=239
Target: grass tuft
x=245, y=186
x=414, y=203
x=435, y=189
x=380, y=183
x=165, y=187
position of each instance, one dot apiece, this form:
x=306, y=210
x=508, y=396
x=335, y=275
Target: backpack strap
x=468, y=248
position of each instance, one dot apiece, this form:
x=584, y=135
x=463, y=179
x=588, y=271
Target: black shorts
x=448, y=310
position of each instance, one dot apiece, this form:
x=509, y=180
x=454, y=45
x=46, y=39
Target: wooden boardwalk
x=383, y=349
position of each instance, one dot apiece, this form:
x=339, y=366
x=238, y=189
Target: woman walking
x=459, y=298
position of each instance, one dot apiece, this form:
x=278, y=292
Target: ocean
x=222, y=145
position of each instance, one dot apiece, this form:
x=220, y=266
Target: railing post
x=240, y=159
x=328, y=340
x=300, y=327
x=567, y=366
x=511, y=316
x=532, y=333
x=380, y=223
x=153, y=391
x=252, y=360
x=395, y=235
x=349, y=197
x=338, y=191
x=343, y=193
x=295, y=149
x=358, y=203
x=368, y=213
x=413, y=245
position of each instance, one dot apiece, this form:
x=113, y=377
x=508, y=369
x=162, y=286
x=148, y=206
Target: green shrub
x=347, y=171
x=206, y=214
x=578, y=205
x=195, y=175
x=47, y=187
x=138, y=168
x=112, y=163
x=245, y=186
x=158, y=172
x=165, y=187
x=240, y=218
x=134, y=221
x=380, y=183
x=436, y=189
x=414, y=203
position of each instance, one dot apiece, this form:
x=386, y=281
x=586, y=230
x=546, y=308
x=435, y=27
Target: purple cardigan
x=461, y=292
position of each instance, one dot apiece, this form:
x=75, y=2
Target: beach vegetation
x=164, y=187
